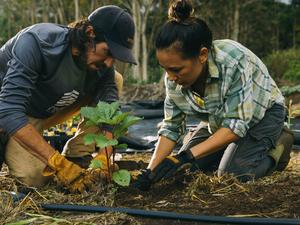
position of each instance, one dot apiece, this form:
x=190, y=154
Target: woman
x=224, y=84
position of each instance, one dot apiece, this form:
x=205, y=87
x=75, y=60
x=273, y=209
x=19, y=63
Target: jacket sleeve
x=107, y=91
x=23, y=70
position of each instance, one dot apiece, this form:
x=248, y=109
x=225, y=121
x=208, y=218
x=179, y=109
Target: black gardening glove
x=143, y=182
x=170, y=165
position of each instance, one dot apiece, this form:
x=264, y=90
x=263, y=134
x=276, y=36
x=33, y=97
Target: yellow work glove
x=69, y=174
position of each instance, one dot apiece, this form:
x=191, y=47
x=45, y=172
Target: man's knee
x=23, y=165
x=29, y=174
x=33, y=178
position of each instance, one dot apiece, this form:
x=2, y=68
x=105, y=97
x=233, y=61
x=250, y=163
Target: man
x=48, y=72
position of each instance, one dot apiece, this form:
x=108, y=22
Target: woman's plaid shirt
x=238, y=92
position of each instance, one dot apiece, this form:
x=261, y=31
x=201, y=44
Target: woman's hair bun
x=180, y=10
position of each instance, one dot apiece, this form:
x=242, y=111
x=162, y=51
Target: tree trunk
x=92, y=5
x=46, y=6
x=32, y=12
x=144, y=43
x=136, y=49
x=236, y=21
x=294, y=33
x=76, y=4
x=60, y=11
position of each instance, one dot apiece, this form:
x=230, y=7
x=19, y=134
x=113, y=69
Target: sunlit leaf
x=117, y=119
x=89, y=113
x=89, y=139
x=95, y=164
x=121, y=177
x=102, y=141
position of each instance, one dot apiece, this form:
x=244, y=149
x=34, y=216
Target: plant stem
x=113, y=159
x=108, y=165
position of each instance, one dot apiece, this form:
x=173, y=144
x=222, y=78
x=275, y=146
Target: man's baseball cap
x=117, y=26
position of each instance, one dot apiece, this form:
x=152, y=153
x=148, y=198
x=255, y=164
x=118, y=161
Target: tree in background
x=264, y=26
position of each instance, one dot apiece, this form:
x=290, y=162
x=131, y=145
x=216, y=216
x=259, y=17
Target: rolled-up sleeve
x=174, y=123
x=238, y=106
x=23, y=70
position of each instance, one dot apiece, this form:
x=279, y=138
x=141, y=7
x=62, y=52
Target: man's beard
x=81, y=62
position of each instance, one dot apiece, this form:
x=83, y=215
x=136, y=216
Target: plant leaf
x=114, y=108
x=118, y=118
x=90, y=123
x=121, y=146
x=95, y=164
x=89, y=139
x=121, y=177
x=130, y=120
x=123, y=127
x=89, y=113
x=102, y=141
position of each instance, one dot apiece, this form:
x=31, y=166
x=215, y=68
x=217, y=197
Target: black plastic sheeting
x=143, y=135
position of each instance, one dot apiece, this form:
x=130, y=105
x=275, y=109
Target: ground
x=275, y=196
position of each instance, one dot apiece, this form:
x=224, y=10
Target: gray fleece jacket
x=39, y=77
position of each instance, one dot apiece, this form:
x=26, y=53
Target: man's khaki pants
x=27, y=168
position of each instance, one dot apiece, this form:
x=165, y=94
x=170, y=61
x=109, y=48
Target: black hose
x=171, y=215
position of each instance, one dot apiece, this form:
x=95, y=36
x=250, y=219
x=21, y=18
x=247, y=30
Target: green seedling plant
x=108, y=114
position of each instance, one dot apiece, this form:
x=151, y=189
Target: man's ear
x=90, y=31
x=203, y=56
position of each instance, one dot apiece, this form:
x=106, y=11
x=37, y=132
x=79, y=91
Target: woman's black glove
x=143, y=181
x=170, y=165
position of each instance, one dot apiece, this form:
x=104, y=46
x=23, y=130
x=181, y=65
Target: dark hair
x=183, y=31
x=78, y=36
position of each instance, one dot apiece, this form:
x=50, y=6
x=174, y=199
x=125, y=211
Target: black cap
x=117, y=26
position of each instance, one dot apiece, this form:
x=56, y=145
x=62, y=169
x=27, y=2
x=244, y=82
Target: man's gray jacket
x=38, y=77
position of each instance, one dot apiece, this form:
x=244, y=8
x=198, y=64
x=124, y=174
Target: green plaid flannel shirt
x=238, y=92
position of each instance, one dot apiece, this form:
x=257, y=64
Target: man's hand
x=69, y=174
x=170, y=165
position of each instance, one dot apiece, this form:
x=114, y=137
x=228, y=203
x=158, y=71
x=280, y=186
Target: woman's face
x=180, y=70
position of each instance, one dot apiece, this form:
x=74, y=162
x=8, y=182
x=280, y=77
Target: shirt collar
x=213, y=70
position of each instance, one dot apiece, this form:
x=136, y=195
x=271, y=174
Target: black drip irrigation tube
x=171, y=215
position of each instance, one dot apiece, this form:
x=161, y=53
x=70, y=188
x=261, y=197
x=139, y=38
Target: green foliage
x=256, y=19
x=95, y=164
x=284, y=64
x=108, y=114
x=293, y=71
x=122, y=177
x=100, y=140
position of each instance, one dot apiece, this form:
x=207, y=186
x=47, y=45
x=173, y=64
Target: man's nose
x=109, y=62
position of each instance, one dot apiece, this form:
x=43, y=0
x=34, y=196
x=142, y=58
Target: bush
x=284, y=64
x=293, y=71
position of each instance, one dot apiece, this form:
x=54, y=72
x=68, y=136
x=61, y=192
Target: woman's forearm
x=164, y=147
x=219, y=140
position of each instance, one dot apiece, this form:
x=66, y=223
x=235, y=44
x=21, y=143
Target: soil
x=274, y=196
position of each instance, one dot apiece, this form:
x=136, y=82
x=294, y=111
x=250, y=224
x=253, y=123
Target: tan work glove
x=70, y=175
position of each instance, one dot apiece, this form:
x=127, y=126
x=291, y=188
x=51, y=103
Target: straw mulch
x=273, y=196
